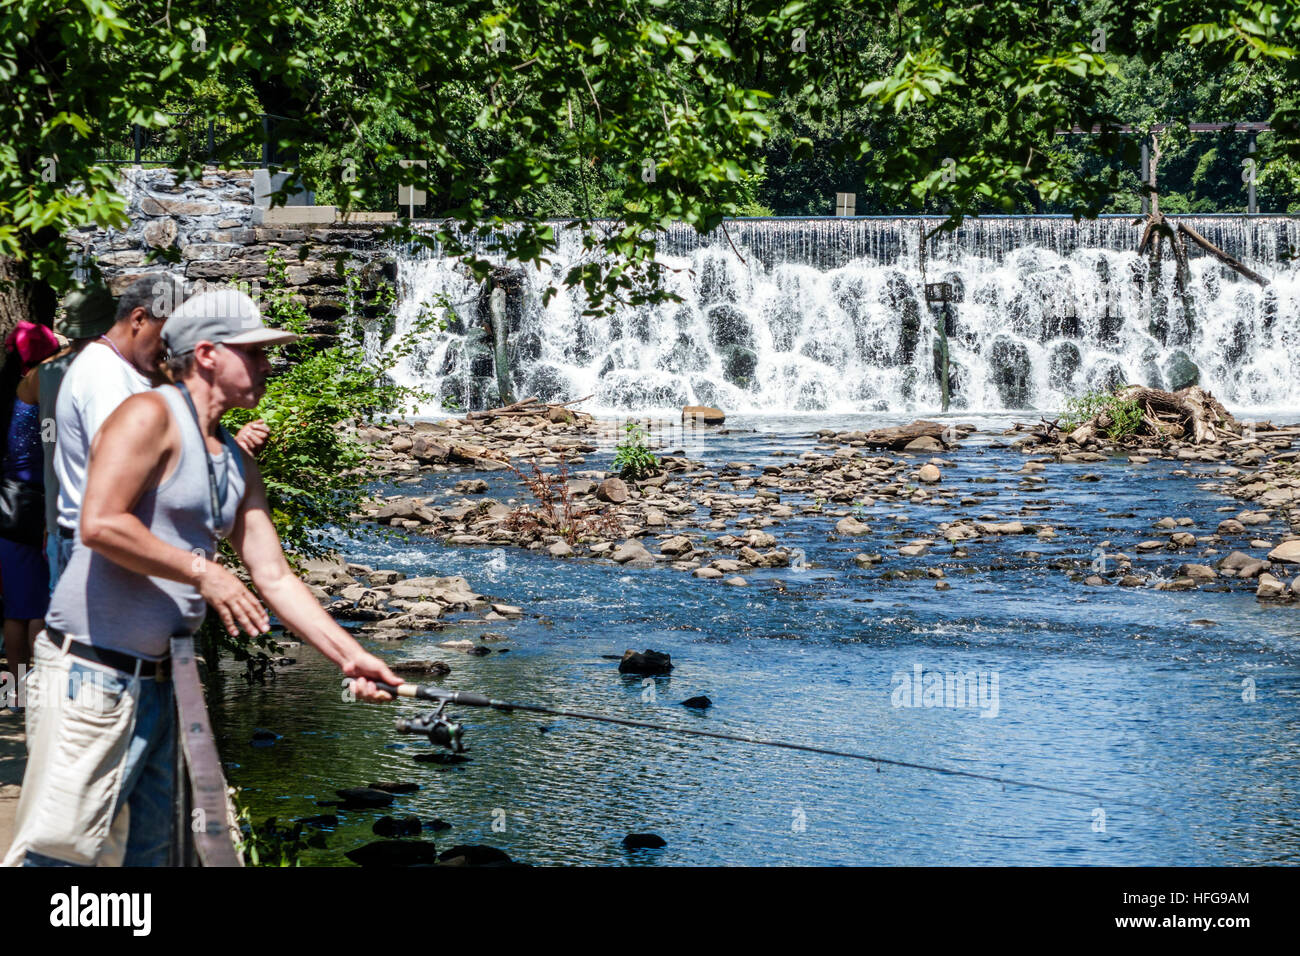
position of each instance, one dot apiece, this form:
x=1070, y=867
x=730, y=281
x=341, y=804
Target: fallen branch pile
x=1191, y=415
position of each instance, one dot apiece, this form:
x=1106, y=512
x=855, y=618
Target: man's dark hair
x=157, y=294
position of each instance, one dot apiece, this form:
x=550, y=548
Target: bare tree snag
x=1219, y=254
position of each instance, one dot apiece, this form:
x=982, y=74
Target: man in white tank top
x=164, y=483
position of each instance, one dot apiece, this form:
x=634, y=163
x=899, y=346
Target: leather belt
x=68, y=533
x=118, y=660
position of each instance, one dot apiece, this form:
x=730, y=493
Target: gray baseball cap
x=223, y=316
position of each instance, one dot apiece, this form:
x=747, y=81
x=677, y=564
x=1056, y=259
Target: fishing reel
x=441, y=730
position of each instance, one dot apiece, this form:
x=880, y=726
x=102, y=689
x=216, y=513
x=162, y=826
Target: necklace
x=109, y=342
x=214, y=496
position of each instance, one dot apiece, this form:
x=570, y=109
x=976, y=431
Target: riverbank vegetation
x=643, y=111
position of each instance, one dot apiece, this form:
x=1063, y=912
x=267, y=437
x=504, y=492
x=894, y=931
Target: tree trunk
x=23, y=298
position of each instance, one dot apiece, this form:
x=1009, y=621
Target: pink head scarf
x=33, y=343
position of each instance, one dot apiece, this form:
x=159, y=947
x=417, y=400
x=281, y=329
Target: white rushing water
x=831, y=315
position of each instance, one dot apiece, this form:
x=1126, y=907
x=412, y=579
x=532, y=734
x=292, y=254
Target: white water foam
x=830, y=315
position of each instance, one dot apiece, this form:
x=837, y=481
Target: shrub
x=632, y=457
x=1117, y=417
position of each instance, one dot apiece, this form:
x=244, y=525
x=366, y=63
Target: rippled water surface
x=1132, y=694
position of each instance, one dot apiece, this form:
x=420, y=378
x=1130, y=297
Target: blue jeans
x=59, y=550
x=109, y=747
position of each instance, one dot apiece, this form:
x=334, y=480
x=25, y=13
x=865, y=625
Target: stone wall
x=208, y=232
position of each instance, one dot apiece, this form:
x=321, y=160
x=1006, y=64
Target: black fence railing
x=202, y=835
x=194, y=136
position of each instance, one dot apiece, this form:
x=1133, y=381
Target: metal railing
x=194, y=136
x=202, y=834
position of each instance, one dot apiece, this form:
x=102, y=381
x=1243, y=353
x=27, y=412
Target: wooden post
x=1251, y=208
x=1146, y=177
x=943, y=354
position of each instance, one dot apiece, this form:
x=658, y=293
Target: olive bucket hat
x=88, y=311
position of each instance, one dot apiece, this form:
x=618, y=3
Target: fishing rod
x=444, y=732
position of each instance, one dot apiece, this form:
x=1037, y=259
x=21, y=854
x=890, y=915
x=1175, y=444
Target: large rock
x=613, y=490
x=646, y=662
x=365, y=797
x=930, y=474
x=899, y=437
x=631, y=550
x=1063, y=365
x=924, y=444
x=703, y=414
x=427, y=450
x=1270, y=588
x=394, y=853
x=1011, y=371
x=1180, y=371
x=677, y=545
x=851, y=527
x=1287, y=551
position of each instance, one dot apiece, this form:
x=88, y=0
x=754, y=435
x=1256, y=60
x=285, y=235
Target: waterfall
x=831, y=315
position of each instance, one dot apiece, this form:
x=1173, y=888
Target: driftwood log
x=528, y=407
x=1191, y=414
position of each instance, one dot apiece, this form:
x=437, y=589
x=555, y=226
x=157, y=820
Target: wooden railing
x=202, y=835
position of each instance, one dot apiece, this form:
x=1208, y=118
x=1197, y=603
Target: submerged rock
x=645, y=662
x=394, y=786
x=365, y=797
x=702, y=703
x=394, y=853
x=400, y=827
x=644, y=841
x=474, y=855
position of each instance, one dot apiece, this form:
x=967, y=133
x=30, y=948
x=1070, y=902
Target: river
x=1184, y=702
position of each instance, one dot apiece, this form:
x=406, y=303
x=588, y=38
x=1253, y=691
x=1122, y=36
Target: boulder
x=930, y=474
x=631, y=550
x=1270, y=588
x=394, y=853
x=899, y=437
x=613, y=490
x=1198, y=572
x=365, y=797
x=644, y=841
x=428, y=668
x=474, y=855
x=560, y=549
x=924, y=444
x=677, y=545
x=400, y=827
x=1288, y=552
x=1005, y=527
x=851, y=527
x=645, y=662
x=703, y=414
x=426, y=450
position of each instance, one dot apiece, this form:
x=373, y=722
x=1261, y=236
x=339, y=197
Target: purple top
x=23, y=458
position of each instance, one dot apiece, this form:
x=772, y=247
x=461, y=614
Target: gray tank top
x=106, y=605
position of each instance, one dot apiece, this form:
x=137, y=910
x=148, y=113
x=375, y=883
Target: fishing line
x=448, y=734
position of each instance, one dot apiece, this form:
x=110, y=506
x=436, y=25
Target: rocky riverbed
x=720, y=521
